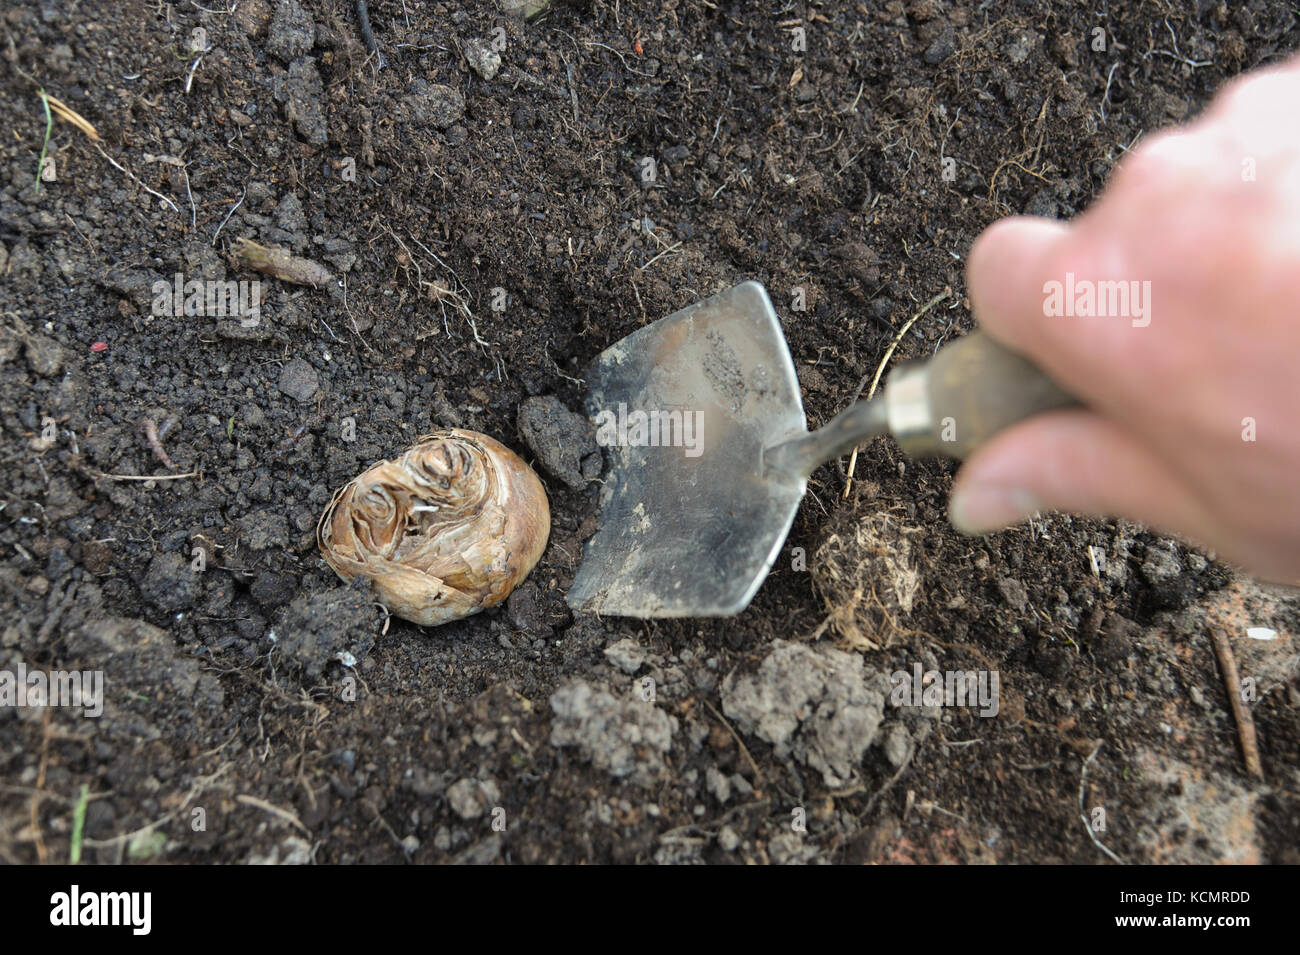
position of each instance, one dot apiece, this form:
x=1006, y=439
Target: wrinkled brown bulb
x=447, y=529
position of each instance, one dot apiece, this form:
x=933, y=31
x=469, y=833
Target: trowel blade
x=689, y=524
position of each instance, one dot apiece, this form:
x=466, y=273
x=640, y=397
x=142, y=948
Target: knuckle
x=1157, y=162
x=1267, y=95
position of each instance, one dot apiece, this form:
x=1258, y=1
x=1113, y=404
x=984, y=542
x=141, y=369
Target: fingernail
x=986, y=507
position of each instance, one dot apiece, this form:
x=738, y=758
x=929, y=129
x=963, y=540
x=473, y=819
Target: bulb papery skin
x=443, y=531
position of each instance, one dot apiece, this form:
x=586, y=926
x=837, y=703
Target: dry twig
x=70, y=115
x=277, y=263
x=1240, y=712
x=853, y=458
x=152, y=435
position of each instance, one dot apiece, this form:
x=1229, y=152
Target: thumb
x=1005, y=272
x=1072, y=461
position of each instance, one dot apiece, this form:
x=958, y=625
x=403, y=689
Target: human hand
x=1192, y=393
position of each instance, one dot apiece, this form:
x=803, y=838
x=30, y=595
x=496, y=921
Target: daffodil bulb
x=447, y=529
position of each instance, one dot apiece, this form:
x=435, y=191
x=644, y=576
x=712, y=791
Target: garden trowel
x=709, y=454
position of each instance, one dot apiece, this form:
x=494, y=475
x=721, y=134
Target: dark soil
x=258, y=709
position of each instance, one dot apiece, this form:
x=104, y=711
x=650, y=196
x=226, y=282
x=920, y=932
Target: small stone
x=898, y=742
x=289, y=214
x=410, y=844
x=563, y=441
x=524, y=608
x=1161, y=564
x=787, y=848
x=431, y=104
x=292, y=851
x=469, y=798
x=484, y=852
x=299, y=380
x=44, y=356
x=295, y=851
x=728, y=841
x=627, y=655
x=740, y=785
x=1162, y=568
x=523, y=8
x=1013, y=591
x=718, y=784
x=483, y=60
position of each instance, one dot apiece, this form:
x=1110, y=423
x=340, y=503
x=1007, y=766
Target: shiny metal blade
x=689, y=523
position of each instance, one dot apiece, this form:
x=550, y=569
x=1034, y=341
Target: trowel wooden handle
x=963, y=396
